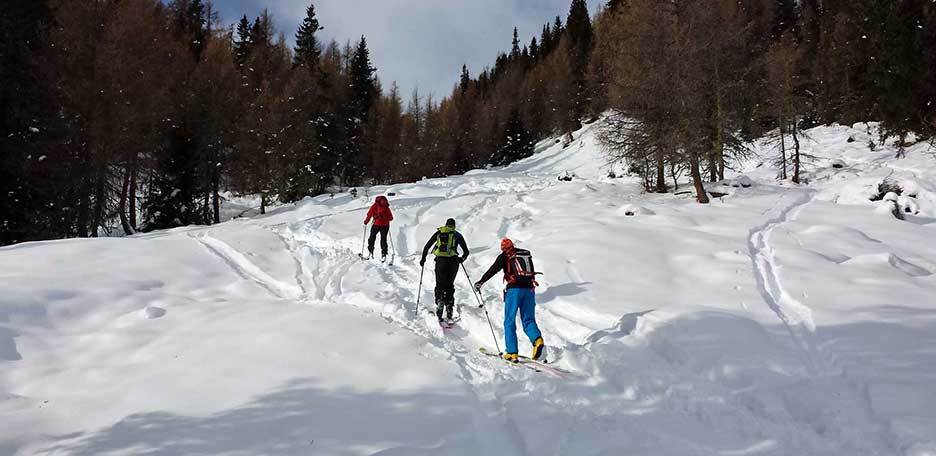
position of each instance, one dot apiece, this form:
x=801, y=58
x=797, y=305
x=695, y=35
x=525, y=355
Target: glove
x=477, y=286
x=422, y=262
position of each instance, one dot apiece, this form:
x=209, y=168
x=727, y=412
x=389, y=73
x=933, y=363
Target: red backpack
x=520, y=267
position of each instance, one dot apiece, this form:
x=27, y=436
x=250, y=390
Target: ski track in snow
x=475, y=370
x=323, y=262
x=796, y=316
x=239, y=263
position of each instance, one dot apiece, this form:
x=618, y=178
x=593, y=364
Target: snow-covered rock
x=153, y=312
x=632, y=210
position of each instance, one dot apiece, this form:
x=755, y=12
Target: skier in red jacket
x=382, y=216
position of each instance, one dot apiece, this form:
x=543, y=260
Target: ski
x=446, y=324
x=532, y=367
x=531, y=363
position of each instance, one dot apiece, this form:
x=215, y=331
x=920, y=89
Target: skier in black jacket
x=447, y=243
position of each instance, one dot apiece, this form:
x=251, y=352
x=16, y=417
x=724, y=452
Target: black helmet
x=450, y=223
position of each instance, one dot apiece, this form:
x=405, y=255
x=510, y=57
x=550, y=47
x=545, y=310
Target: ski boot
x=450, y=314
x=511, y=357
x=539, y=350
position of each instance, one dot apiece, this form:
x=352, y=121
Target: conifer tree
x=307, y=51
x=242, y=42
x=515, y=45
x=191, y=21
x=517, y=141
x=33, y=180
x=465, y=81
x=362, y=87
x=579, y=46
x=362, y=81
x=546, y=39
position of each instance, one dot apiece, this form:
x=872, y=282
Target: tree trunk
x=122, y=206
x=661, y=173
x=783, y=165
x=100, y=200
x=701, y=196
x=675, y=178
x=718, y=147
x=133, y=193
x=84, y=208
x=721, y=166
x=796, y=155
x=713, y=168
x=263, y=203
x=206, y=208
x=215, y=197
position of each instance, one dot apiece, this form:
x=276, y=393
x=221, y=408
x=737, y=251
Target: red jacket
x=380, y=212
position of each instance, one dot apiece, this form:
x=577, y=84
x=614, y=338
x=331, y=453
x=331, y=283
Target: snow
x=781, y=319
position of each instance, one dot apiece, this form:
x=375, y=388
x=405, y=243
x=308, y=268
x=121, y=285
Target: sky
x=417, y=43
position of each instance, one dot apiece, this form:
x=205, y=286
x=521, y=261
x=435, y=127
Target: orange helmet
x=506, y=245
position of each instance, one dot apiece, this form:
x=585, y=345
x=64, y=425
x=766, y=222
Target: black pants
x=446, y=270
x=383, y=230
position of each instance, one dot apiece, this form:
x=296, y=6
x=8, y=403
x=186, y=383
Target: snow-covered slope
x=778, y=320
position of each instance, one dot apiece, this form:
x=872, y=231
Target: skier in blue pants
x=520, y=295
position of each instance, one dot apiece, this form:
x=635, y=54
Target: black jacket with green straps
x=459, y=242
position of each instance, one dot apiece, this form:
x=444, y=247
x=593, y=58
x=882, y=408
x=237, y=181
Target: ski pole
x=392, y=248
x=363, y=241
x=419, y=293
x=481, y=303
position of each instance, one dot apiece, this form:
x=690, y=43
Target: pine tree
x=546, y=39
x=517, y=141
x=362, y=81
x=515, y=48
x=242, y=42
x=191, y=20
x=260, y=31
x=363, y=92
x=579, y=44
x=465, y=80
x=171, y=200
x=33, y=180
x=307, y=51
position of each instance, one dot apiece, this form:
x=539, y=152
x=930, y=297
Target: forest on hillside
x=137, y=115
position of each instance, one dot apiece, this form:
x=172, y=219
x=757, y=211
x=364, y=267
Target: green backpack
x=445, y=243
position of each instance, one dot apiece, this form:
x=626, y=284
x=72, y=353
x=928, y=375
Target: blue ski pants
x=524, y=300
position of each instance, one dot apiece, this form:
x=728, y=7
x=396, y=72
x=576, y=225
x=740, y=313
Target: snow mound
x=153, y=312
x=889, y=259
x=631, y=210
